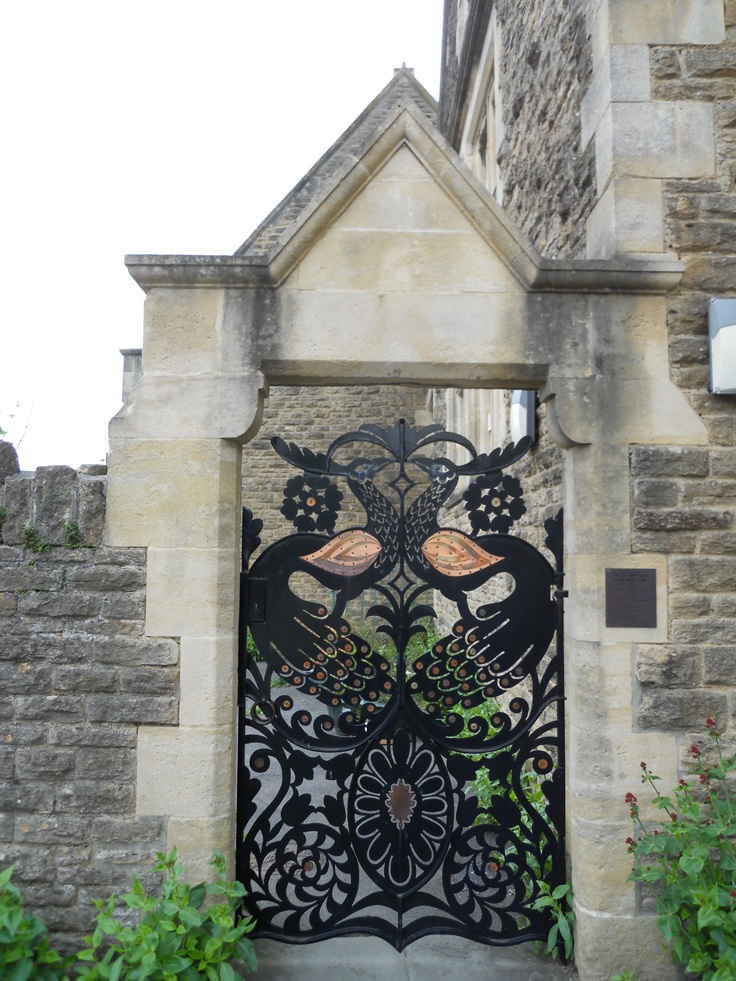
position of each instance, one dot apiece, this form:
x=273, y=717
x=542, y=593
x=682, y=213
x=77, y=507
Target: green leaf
x=246, y=952
x=190, y=916
x=709, y=917
x=196, y=896
x=691, y=865
x=561, y=891
x=22, y=970
x=133, y=900
x=175, y=964
x=5, y=876
x=227, y=973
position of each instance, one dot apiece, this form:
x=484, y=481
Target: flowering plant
x=691, y=860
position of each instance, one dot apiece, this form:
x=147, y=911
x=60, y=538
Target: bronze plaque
x=631, y=597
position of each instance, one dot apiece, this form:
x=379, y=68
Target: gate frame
x=589, y=335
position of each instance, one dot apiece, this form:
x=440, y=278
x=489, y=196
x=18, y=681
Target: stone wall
x=549, y=181
x=548, y=178
x=77, y=678
x=684, y=500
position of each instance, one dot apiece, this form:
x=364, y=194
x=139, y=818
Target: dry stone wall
x=77, y=678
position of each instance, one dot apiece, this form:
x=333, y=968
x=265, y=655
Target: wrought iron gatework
x=401, y=766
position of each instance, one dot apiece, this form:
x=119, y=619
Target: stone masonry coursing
x=684, y=500
x=77, y=678
x=549, y=183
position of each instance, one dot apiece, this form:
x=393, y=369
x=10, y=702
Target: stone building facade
x=561, y=228
x=614, y=136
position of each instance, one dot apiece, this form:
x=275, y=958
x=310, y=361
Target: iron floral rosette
x=311, y=503
x=494, y=502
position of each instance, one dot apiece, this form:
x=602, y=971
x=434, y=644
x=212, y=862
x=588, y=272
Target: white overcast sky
x=156, y=126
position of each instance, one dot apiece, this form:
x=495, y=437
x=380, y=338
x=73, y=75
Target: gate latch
x=256, y=600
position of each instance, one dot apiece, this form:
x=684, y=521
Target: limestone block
x=599, y=686
x=659, y=412
x=208, y=681
x=54, y=502
x=678, y=709
x=596, y=501
x=426, y=260
x=606, y=944
x=622, y=76
x=8, y=460
x=585, y=616
x=91, y=509
x=18, y=503
x=186, y=772
x=666, y=22
x=628, y=217
x=662, y=665
x=655, y=139
x=195, y=840
x=192, y=591
x=180, y=331
x=173, y=492
x=403, y=196
x=601, y=864
x=205, y=406
x=473, y=337
x=603, y=769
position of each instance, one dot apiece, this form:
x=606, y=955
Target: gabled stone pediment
x=436, y=194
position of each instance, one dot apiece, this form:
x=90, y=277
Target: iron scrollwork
x=406, y=778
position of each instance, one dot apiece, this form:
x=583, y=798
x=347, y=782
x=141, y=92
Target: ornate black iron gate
x=396, y=777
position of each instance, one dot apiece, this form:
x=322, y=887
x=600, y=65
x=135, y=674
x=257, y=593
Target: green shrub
x=559, y=901
x=178, y=937
x=24, y=944
x=690, y=859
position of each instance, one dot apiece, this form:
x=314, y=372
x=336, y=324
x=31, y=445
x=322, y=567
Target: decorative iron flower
x=401, y=811
x=311, y=503
x=494, y=502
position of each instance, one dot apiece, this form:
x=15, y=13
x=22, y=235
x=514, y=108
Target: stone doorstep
x=433, y=958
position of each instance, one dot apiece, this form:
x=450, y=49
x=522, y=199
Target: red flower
x=643, y=765
x=630, y=799
x=710, y=723
x=695, y=751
